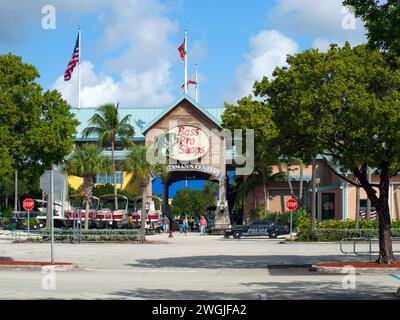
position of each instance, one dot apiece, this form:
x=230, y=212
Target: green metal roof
x=172, y=106
x=142, y=118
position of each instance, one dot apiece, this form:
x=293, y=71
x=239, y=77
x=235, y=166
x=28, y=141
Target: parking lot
x=189, y=267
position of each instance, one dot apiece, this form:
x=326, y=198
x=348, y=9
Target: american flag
x=181, y=49
x=73, y=62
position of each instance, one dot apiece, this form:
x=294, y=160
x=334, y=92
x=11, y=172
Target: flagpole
x=186, y=64
x=197, y=82
x=79, y=69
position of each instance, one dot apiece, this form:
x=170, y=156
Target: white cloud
x=141, y=74
x=319, y=19
x=268, y=50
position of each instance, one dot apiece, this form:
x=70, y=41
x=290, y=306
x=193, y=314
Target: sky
x=129, y=47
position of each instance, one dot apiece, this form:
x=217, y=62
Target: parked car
x=257, y=229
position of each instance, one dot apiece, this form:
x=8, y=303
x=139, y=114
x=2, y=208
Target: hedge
x=335, y=230
x=91, y=235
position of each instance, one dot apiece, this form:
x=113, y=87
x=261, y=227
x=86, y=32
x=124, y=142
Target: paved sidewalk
x=188, y=267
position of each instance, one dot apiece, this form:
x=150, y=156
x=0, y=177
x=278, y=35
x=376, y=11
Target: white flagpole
x=186, y=64
x=197, y=82
x=79, y=68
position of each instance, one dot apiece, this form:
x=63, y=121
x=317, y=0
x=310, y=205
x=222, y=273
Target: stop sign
x=292, y=204
x=28, y=204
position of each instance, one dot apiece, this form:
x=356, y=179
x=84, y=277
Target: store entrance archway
x=192, y=142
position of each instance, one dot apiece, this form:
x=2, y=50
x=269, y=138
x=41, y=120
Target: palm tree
x=106, y=124
x=86, y=162
x=244, y=187
x=138, y=164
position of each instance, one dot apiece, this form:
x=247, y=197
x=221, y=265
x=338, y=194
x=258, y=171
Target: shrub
x=91, y=235
x=335, y=230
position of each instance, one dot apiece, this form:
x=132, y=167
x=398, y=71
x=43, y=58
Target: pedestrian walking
x=166, y=224
x=203, y=225
x=185, y=225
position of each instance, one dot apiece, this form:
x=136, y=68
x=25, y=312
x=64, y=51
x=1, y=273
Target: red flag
x=190, y=82
x=181, y=49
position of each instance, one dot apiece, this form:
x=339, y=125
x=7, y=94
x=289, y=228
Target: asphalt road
x=190, y=267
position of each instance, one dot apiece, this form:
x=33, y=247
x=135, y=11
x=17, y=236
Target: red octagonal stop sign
x=292, y=204
x=28, y=204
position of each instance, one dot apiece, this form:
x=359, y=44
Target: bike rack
x=361, y=253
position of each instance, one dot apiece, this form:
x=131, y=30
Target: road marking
x=394, y=276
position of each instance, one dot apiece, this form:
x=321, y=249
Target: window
x=328, y=206
x=109, y=178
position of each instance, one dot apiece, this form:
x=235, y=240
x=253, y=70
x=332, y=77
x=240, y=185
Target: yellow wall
x=129, y=184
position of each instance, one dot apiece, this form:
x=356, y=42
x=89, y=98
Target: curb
x=38, y=268
x=337, y=270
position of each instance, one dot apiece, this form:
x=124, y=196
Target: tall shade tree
x=85, y=162
x=143, y=170
x=252, y=114
x=345, y=105
x=37, y=127
x=110, y=129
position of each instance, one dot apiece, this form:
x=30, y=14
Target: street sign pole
x=29, y=225
x=52, y=214
x=291, y=225
x=28, y=205
x=291, y=205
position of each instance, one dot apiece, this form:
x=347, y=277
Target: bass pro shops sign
x=185, y=143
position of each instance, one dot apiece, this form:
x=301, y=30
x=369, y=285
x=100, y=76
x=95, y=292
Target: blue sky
x=129, y=46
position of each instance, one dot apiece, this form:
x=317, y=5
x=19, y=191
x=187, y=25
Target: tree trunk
x=143, y=215
x=264, y=180
x=114, y=177
x=382, y=207
x=301, y=200
x=313, y=197
x=16, y=191
x=87, y=193
x=289, y=180
x=357, y=207
x=385, y=240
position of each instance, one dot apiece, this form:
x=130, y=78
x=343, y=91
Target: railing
x=368, y=241
x=77, y=235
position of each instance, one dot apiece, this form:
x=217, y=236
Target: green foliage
x=87, y=160
x=36, y=127
x=92, y=235
x=32, y=222
x=346, y=103
x=284, y=218
x=108, y=127
x=189, y=202
x=382, y=21
x=335, y=230
x=142, y=169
